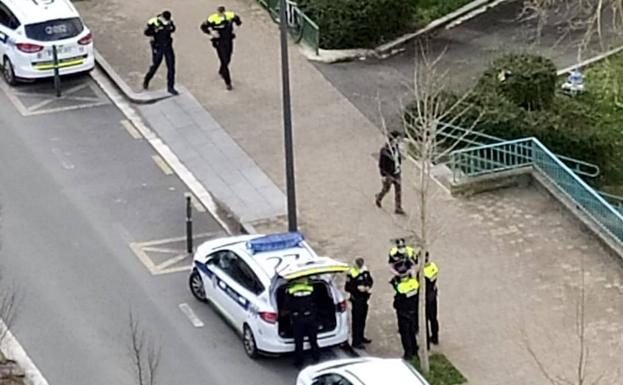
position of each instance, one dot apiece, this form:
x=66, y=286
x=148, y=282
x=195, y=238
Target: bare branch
x=9, y=299
x=144, y=352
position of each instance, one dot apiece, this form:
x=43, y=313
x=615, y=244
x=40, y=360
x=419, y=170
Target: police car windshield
x=52, y=30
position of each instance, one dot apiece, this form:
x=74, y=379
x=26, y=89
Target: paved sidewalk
x=509, y=261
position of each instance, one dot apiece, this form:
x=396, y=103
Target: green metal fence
x=300, y=26
x=513, y=154
x=467, y=138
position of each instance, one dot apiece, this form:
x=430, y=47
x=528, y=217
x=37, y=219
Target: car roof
x=266, y=261
x=269, y=261
x=377, y=371
x=36, y=11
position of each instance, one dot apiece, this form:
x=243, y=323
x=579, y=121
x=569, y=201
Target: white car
x=361, y=371
x=28, y=31
x=245, y=278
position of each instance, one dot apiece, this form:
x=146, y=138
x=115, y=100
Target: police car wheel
x=196, y=286
x=248, y=340
x=7, y=72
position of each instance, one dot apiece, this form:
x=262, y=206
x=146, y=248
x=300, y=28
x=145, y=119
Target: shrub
x=529, y=81
x=358, y=23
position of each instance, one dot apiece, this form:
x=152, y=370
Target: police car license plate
x=60, y=50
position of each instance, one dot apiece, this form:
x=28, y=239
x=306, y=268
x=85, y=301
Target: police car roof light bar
x=272, y=242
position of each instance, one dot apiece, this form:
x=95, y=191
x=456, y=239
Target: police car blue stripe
x=222, y=285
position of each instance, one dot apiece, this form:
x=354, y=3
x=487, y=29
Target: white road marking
x=66, y=164
x=37, y=109
x=162, y=164
x=12, y=349
x=131, y=129
x=188, y=312
x=140, y=249
x=161, y=148
x=197, y=205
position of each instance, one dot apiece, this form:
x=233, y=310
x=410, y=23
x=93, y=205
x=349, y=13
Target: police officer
x=406, y=288
x=299, y=302
x=359, y=283
x=160, y=29
x=220, y=27
x=431, y=270
x=403, y=255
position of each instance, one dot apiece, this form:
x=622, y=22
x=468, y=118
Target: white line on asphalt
x=161, y=148
x=198, y=206
x=130, y=129
x=67, y=165
x=188, y=312
x=162, y=164
x=12, y=349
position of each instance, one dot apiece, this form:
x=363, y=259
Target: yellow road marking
x=129, y=127
x=162, y=164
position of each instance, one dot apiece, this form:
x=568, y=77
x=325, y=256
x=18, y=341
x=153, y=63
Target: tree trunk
x=423, y=198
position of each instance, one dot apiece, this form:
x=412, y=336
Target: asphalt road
x=75, y=190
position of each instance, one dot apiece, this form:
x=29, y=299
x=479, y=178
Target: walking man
x=300, y=304
x=432, y=324
x=359, y=283
x=406, y=289
x=389, y=166
x=220, y=27
x=160, y=29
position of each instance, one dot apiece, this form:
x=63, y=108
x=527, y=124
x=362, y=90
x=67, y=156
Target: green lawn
x=604, y=94
x=442, y=372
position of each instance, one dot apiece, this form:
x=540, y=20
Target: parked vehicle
x=245, y=278
x=29, y=31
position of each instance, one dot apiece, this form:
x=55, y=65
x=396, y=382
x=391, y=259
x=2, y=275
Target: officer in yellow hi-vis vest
x=402, y=254
x=359, y=284
x=431, y=270
x=160, y=29
x=406, y=289
x=220, y=27
x=299, y=302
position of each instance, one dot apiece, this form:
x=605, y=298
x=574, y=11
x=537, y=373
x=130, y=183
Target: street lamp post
x=287, y=119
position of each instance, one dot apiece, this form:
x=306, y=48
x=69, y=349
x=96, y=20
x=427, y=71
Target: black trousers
x=305, y=326
x=359, y=313
x=408, y=328
x=157, y=54
x=224, y=50
x=432, y=324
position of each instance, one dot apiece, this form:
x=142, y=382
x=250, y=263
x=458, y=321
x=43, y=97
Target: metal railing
x=614, y=200
x=476, y=138
x=531, y=152
x=300, y=26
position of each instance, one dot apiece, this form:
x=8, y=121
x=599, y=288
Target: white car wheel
x=196, y=286
x=248, y=340
x=7, y=72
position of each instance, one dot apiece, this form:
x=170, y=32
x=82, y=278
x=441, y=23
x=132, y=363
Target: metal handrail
x=578, y=166
x=531, y=152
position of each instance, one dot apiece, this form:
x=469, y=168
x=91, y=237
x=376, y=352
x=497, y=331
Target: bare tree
x=8, y=306
x=590, y=18
x=431, y=110
x=583, y=362
x=145, y=353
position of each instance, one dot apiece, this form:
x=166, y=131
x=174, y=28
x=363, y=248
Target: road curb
x=590, y=61
x=395, y=46
x=134, y=97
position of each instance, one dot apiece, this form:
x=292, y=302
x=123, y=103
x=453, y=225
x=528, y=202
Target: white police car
x=28, y=31
x=245, y=278
x=361, y=371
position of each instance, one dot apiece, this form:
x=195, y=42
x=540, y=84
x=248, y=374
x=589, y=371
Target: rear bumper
x=24, y=69
x=268, y=341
